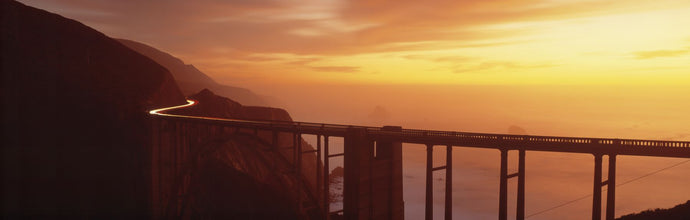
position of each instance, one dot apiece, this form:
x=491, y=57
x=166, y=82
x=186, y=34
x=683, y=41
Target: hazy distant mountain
x=516, y=130
x=75, y=133
x=379, y=115
x=679, y=212
x=191, y=80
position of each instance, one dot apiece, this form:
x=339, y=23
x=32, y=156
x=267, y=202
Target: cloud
x=303, y=61
x=337, y=69
x=319, y=27
x=641, y=55
x=196, y=30
x=487, y=65
x=440, y=59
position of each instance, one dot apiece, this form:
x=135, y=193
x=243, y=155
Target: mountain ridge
x=75, y=118
x=191, y=80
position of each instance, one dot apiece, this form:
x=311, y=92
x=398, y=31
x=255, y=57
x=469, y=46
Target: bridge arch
x=361, y=170
x=184, y=154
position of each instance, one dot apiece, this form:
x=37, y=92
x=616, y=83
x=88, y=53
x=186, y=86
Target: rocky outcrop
x=335, y=178
x=517, y=130
x=191, y=80
x=211, y=105
x=253, y=154
x=379, y=115
x=74, y=112
x=237, y=178
x=265, y=113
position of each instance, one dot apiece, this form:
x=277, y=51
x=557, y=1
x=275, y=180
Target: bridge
x=372, y=156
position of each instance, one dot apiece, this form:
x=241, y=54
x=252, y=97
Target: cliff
x=236, y=178
x=77, y=138
x=76, y=134
x=248, y=156
x=191, y=80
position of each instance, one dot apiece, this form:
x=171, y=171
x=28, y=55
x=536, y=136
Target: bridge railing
x=366, y=135
x=341, y=129
x=470, y=136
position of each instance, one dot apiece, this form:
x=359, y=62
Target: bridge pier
x=449, y=183
x=373, y=177
x=611, y=188
x=169, y=180
x=156, y=143
x=274, y=140
x=319, y=172
x=521, y=186
x=298, y=169
x=503, y=186
x=611, y=193
x=429, y=208
x=429, y=202
x=596, y=196
x=326, y=182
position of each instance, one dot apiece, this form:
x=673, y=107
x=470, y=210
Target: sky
x=549, y=67
x=475, y=42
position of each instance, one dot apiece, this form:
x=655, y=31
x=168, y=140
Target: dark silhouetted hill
x=250, y=158
x=679, y=212
x=76, y=133
x=191, y=80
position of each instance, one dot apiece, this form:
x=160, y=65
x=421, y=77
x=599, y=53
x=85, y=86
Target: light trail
x=158, y=111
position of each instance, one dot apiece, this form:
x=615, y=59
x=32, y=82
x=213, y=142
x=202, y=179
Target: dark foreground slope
x=191, y=80
x=245, y=156
x=679, y=212
x=74, y=114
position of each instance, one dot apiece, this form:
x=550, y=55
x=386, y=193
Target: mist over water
x=642, y=112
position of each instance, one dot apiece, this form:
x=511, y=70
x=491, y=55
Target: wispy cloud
x=303, y=61
x=659, y=53
x=320, y=27
x=502, y=65
x=241, y=36
x=436, y=58
x=337, y=69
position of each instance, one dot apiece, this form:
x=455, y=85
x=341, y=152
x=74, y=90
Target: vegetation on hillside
x=679, y=212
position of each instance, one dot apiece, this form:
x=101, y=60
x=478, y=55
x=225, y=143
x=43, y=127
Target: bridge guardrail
x=341, y=129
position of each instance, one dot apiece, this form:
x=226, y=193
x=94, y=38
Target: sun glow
x=647, y=48
x=641, y=48
x=439, y=42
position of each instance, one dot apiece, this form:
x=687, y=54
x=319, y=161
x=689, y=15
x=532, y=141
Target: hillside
x=212, y=105
x=191, y=80
x=242, y=156
x=679, y=212
x=76, y=133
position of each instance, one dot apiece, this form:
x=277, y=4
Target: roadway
x=597, y=146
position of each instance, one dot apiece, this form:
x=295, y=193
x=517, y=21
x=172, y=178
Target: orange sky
x=408, y=42
x=344, y=50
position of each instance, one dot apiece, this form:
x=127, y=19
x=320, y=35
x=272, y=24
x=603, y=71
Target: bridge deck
x=387, y=171
x=461, y=139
